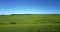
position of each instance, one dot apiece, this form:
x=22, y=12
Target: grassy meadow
x=30, y=23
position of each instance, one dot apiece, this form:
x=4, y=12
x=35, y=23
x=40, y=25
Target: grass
x=30, y=23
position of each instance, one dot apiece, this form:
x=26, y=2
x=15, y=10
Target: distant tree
x=13, y=22
x=2, y=15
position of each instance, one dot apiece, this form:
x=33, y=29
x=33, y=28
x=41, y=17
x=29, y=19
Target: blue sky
x=29, y=6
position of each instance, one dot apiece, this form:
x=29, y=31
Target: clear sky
x=29, y=6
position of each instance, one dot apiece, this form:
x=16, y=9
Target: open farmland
x=30, y=23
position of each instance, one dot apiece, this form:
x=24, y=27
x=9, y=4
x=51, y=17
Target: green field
x=30, y=23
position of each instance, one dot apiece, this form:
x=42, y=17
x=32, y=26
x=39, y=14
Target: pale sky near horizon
x=29, y=6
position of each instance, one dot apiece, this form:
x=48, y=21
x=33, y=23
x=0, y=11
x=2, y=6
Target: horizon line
x=30, y=13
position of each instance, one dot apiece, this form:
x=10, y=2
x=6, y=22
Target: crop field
x=30, y=23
